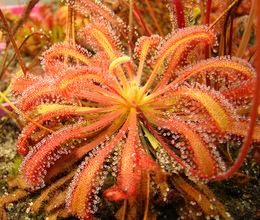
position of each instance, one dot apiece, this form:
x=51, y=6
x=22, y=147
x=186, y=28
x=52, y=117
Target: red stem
x=179, y=13
x=208, y=10
x=253, y=113
x=140, y=20
x=207, y=21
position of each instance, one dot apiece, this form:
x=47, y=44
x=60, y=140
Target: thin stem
x=248, y=30
x=23, y=18
x=230, y=41
x=232, y=16
x=25, y=15
x=140, y=20
x=253, y=113
x=208, y=10
x=9, y=32
x=9, y=113
x=3, y=61
x=130, y=33
x=154, y=18
x=179, y=13
x=202, y=10
x=22, y=114
x=4, y=68
x=70, y=30
x=223, y=13
x=207, y=21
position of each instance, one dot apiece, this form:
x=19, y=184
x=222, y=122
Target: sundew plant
x=158, y=111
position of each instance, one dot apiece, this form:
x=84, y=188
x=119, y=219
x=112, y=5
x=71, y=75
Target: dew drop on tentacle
x=44, y=154
x=83, y=198
x=167, y=162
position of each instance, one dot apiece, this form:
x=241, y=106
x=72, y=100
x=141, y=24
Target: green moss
x=16, y=166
